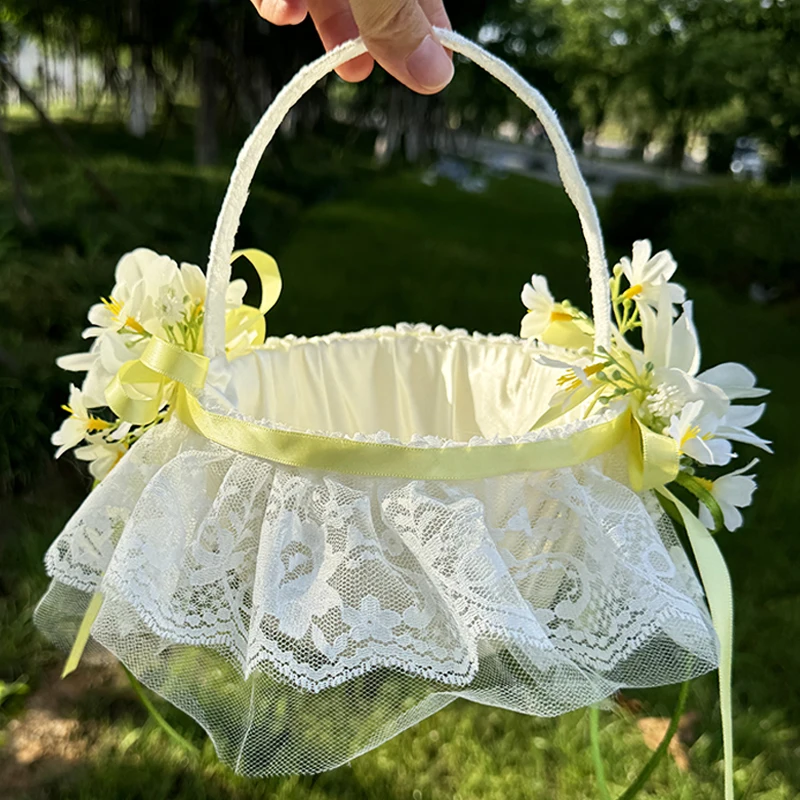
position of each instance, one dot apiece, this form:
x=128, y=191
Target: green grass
x=382, y=249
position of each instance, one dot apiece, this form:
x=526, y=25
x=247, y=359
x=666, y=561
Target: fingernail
x=429, y=65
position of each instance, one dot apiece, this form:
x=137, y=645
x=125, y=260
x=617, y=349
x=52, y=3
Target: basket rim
x=421, y=330
x=213, y=414
x=213, y=399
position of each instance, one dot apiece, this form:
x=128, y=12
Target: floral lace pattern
x=326, y=577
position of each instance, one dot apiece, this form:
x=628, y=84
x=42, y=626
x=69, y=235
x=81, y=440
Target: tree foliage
x=661, y=68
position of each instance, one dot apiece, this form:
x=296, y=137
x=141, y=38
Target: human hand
x=398, y=35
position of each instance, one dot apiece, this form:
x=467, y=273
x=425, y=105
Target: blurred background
x=119, y=125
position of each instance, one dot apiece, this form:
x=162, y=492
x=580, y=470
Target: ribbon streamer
x=82, y=637
x=717, y=586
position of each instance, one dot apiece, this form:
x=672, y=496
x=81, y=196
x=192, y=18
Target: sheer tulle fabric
x=304, y=617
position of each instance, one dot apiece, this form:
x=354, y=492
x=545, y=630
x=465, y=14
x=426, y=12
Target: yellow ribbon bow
x=142, y=387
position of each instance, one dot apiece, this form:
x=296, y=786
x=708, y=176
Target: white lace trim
x=326, y=576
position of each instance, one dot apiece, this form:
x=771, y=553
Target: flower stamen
x=629, y=294
x=691, y=433
x=114, y=306
x=95, y=424
x=571, y=377
x=131, y=323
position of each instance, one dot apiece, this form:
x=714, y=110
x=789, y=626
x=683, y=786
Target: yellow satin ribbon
x=397, y=461
x=716, y=582
x=653, y=460
x=268, y=273
x=82, y=637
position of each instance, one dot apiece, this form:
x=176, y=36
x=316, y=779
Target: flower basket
x=310, y=544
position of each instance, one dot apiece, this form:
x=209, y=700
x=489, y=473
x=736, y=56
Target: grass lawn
x=354, y=253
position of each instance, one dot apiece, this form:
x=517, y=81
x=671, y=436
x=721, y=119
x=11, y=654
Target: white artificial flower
x=734, y=379
x=170, y=305
x=77, y=425
x=551, y=322
x=148, y=295
x=539, y=301
x=147, y=267
x=672, y=347
x=575, y=383
x=732, y=492
x=735, y=423
x=102, y=455
x=665, y=401
x=139, y=279
x=107, y=354
x=116, y=313
x=122, y=430
x=694, y=431
x=78, y=362
x=670, y=344
x=577, y=370
x=195, y=282
x=646, y=274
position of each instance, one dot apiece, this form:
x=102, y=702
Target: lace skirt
x=305, y=616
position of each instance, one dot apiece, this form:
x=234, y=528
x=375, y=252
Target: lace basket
x=332, y=538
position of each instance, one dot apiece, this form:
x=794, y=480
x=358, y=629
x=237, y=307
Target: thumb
x=400, y=37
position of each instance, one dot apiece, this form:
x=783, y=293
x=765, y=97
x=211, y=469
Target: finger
x=282, y=12
x=335, y=24
x=436, y=14
x=399, y=35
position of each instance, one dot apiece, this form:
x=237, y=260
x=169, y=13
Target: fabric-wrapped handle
x=222, y=245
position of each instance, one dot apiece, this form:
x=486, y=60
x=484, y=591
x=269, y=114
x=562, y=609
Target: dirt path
x=48, y=740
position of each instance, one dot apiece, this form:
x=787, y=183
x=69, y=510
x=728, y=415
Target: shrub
x=733, y=235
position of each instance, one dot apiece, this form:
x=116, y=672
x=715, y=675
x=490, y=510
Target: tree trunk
x=241, y=78
x=206, y=144
x=677, y=148
x=45, y=75
x=389, y=140
x=61, y=136
x=790, y=159
x=641, y=139
x=137, y=120
x=206, y=140
x=76, y=70
x=18, y=198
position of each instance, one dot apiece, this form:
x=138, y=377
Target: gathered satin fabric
x=408, y=385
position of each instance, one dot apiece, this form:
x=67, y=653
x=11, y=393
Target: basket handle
x=222, y=244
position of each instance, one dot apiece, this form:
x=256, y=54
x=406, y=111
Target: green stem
x=626, y=311
x=693, y=485
x=661, y=750
x=597, y=758
x=160, y=721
